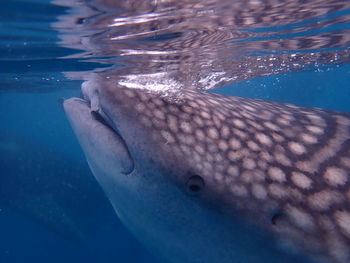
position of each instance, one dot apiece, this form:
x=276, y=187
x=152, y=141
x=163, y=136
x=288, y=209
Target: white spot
x=263, y=139
x=276, y=174
x=266, y=115
x=295, y=194
x=207, y=166
x=301, y=180
x=308, y=138
x=296, y=148
x=187, y=139
x=193, y=104
x=287, y=117
x=253, y=146
x=278, y=191
x=220, y=116
x=300, y=217
x=129, y=93
x=234, y=155
x=283, y=121
x=234, y=143
x=140, y=107
x=343, y=220
x=324, y=199
x=143, y=96
x=258, y=175
x=316, y=119
x=266, y=156
x=247, y=176
x=187, y=109
x=198, y=120
x=218, y=157
x=225, y=131
x=239, y=123
x=213, y=133
x=262, y=164
x=277, y=137
x=209, y=157
x=213, y=101
x=239, y=190
x=259, y=191
x=282, y=159
x=345, y=161
x=146, y=121
x=246, y=115
x=185, y=149
x=335, y=176
x=213, y=148
x=271, y=126
x=314, y=129
x=167, y=136
x=158, y=102
x=338, y=247
x=196, y=157
x=249, y=108
x=200, y=134
x=255, y=125
x=233, y=170
x=239, y=133
x=172, y=123
x=249, y=163
x=205, y=114
x=218, y=177
x=159, y=114
x=222, y=145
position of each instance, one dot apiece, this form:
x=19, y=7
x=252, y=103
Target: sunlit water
x=51, y=208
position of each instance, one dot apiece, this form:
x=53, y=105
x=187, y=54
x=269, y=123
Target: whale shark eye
x=195, y=184
x=276, y=217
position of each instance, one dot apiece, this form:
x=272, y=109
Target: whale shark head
x=201, y=177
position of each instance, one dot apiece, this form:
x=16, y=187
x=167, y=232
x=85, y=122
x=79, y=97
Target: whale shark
x=202, y=177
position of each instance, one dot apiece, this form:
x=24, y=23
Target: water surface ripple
x=170, y=45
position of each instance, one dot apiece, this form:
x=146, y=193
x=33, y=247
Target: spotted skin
x=285, y=168
x=281, y=167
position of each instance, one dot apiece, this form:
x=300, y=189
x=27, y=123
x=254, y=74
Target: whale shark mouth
x=94, y=124
x=105, y=121
x=101, y=117
x=89, y=95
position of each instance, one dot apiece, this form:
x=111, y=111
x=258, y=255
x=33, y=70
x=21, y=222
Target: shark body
x=201, y=177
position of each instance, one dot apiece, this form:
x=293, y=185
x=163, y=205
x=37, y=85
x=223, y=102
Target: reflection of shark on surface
x=38, y=182
x=206, y=45
x=201, y=177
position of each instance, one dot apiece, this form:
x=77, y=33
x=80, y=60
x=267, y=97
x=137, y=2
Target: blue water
x=51, y=208
x=33, y=131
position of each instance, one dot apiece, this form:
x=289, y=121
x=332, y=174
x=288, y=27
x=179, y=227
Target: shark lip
x=103, y=119
x=98, y=117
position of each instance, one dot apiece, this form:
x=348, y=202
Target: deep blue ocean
x=51, y=207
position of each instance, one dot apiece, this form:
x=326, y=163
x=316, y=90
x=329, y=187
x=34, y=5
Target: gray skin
x=201, y=177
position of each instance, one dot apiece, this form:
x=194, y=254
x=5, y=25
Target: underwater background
x=51, y=208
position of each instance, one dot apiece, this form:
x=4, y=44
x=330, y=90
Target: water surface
x=51, y=208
